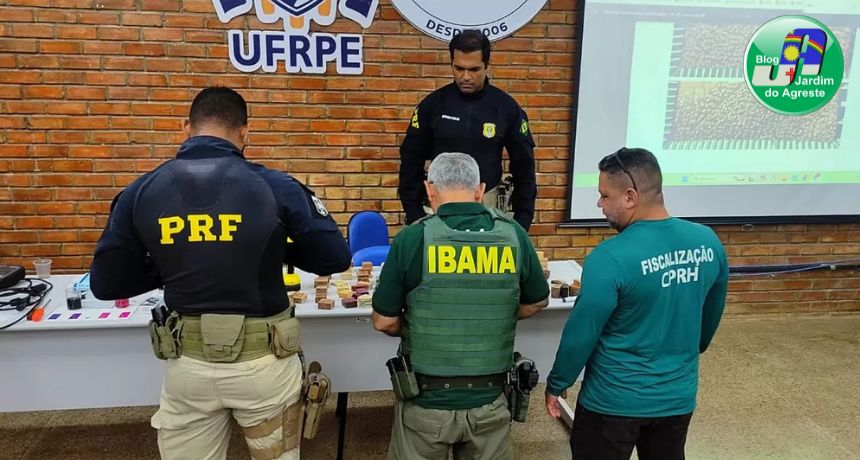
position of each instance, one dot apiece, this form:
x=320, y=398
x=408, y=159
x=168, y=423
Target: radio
x=10, y=275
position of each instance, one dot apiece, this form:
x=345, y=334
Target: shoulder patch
x=415, y=119
x=524, y=127
x=320, y=207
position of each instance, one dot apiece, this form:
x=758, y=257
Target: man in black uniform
x=212, y=228
x=472, y=116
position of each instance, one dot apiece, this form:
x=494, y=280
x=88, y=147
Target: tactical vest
x=461, y=319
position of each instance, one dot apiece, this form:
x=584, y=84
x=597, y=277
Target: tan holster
x=165, y=339
x=318, y=389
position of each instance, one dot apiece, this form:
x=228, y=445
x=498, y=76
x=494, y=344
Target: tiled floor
x=771, y=388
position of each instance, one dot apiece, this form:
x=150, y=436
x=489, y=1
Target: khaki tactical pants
x=482, y=433
x=490, y=198
x=198, y=398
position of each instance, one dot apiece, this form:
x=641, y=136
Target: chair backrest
x=373, y=254
x=365, y=229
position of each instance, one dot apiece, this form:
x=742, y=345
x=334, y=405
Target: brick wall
x=92, y=93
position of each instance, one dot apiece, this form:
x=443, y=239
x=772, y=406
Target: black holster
x=522, y=379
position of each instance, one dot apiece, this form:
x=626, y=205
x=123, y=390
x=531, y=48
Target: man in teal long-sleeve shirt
x=650, y=303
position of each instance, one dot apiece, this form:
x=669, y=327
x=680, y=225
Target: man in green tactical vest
x=453, y=287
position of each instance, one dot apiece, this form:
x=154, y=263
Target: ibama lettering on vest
x=476, y=260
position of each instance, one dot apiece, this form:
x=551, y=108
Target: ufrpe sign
x=442, y=19
x=298, y=50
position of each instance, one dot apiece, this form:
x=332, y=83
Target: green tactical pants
x=482, y=433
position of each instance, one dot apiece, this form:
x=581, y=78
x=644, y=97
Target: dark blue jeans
x=607, y=437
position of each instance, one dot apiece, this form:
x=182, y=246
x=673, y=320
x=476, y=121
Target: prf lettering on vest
x=471, y=259
x=199, y=227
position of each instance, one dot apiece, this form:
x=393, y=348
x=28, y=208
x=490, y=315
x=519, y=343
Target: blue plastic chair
x=365, y=230
x=373, y=254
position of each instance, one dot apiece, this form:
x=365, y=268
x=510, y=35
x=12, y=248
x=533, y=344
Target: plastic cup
x=73, y=299
x=43, y=268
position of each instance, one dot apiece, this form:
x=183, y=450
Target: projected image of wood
x=723, y=115
x=710, y=107
x=710, y=50
x=717, y=50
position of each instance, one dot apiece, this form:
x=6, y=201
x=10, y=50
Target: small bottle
x=73, y=298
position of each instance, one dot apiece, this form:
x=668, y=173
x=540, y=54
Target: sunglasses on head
x=617, y=158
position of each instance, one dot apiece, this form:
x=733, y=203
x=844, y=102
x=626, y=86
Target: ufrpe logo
x=299, y=51
x=794, y=65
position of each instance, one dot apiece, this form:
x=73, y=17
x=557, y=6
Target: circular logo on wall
x=794, y=65
x=442, y=19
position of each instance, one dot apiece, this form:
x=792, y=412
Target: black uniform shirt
x=212, y=229
x=480, y=125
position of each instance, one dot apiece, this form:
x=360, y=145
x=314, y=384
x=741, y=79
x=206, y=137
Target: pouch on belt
x=285, y=337
x=223, y=337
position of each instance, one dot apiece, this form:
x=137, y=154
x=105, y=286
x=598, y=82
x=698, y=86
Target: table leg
x=340, y=412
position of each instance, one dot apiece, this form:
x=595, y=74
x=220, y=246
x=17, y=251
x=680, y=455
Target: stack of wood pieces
x=349, y=302
x=544, y=263
x=321, y=288
x=299, y=297
x=575, y=285
x=365, y=301
x=365, y=272
x=559, y=289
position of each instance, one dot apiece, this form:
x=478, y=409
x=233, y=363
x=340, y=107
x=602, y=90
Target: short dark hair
x=219, y=105
x=640, y=164
x=469, y=41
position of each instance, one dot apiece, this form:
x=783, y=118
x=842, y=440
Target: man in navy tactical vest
x=212, y=229
x=452, y=288
x=478, y=118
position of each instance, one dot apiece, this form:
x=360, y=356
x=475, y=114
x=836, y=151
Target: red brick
x=143, y=49
x=33, y=30
x=25, y=107
x=12, y=45
x=38, y=62
x=90, y=122
x=117, y=4
x=103, y=48
x=109, y=108
x=16, y=14
x=142, y=19
x=118, y=33
x=86, y=93
x=101, y=17
x=159, y=5
x=80, y=62
x=89, y=151
x=60, y=47
x=34, y=222
x=76, y=32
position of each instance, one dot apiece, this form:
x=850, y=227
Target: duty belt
x=257, y=334
x=431, y=383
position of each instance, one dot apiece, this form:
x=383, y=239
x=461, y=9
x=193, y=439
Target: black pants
x=608, y=437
